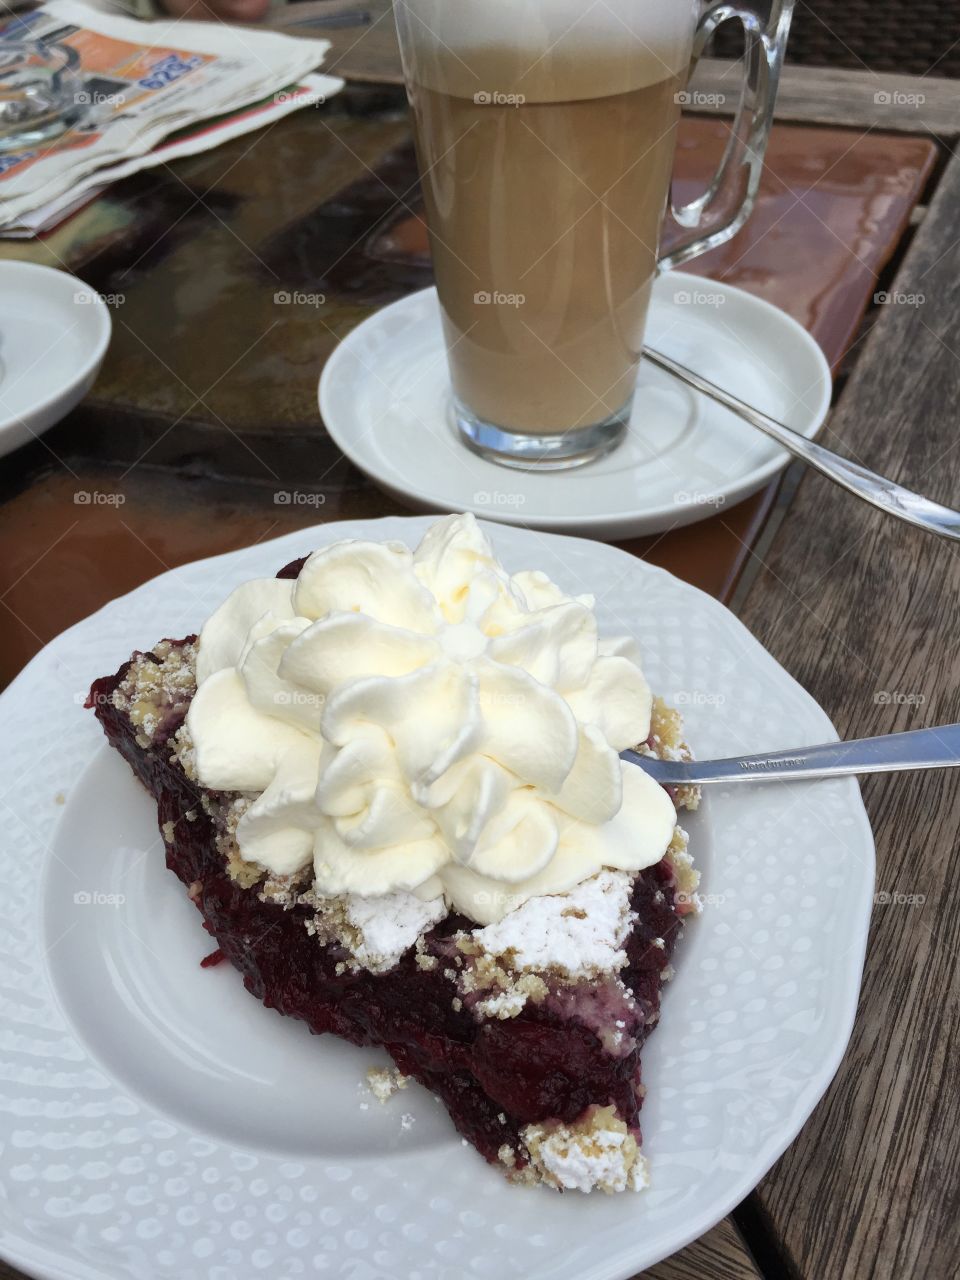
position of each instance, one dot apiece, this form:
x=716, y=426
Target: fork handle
x=936, y=748
x=856, y=479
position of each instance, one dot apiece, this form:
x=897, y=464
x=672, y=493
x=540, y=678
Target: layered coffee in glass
x=545, y=135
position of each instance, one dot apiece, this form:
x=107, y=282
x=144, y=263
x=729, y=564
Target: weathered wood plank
x=813, y=95
x=833, y=95
x=719, y=1255
x=368, y=51
x=865, y=613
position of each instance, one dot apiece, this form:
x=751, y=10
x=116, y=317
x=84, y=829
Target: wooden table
x=205, y=409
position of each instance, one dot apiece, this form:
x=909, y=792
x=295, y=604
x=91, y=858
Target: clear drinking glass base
x=541, y=451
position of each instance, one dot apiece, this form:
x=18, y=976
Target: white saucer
x=54, y=333
x=384, y=397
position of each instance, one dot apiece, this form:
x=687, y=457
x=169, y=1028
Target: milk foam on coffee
x=546, y=50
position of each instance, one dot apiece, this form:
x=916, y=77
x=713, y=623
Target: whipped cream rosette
x=425, y=722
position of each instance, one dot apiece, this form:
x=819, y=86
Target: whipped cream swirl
x=425, y=722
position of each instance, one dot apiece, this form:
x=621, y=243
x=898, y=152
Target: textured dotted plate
x=156, y=1121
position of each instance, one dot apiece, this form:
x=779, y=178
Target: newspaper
x=142, y=82
x=310, y=91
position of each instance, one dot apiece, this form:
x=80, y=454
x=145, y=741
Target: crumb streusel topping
x=598, y=1152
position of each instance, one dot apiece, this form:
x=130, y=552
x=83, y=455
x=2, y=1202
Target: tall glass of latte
x=545, y=135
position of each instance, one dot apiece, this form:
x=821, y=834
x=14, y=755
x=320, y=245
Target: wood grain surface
x=865, y=613
x=368, y=51
x=719, y=1255
x=831, y=95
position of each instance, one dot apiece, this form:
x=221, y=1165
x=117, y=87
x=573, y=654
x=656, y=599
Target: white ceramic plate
x=54, y=333
x=384, y=397
x=158, y=1122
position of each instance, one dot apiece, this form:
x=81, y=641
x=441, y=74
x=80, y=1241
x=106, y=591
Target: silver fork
x=937, y=748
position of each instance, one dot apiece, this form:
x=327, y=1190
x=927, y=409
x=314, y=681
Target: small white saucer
x=385, y=399
x=54, y=333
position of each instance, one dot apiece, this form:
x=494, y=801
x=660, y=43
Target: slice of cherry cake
x=390, y=783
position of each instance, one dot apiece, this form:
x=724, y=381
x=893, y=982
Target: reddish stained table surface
x=206, y=405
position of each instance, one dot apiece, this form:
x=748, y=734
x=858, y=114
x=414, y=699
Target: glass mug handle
x=719, y=213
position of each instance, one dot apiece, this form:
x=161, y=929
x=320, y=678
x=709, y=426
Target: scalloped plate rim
x=23, y=1251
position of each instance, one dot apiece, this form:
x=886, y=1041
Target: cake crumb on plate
x=384, y=1082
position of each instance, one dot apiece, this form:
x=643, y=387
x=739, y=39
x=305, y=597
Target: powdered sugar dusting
x=579, y=933
x=505, y=1004
x=390, y=924
x=376, y=931
x=598, y=1152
